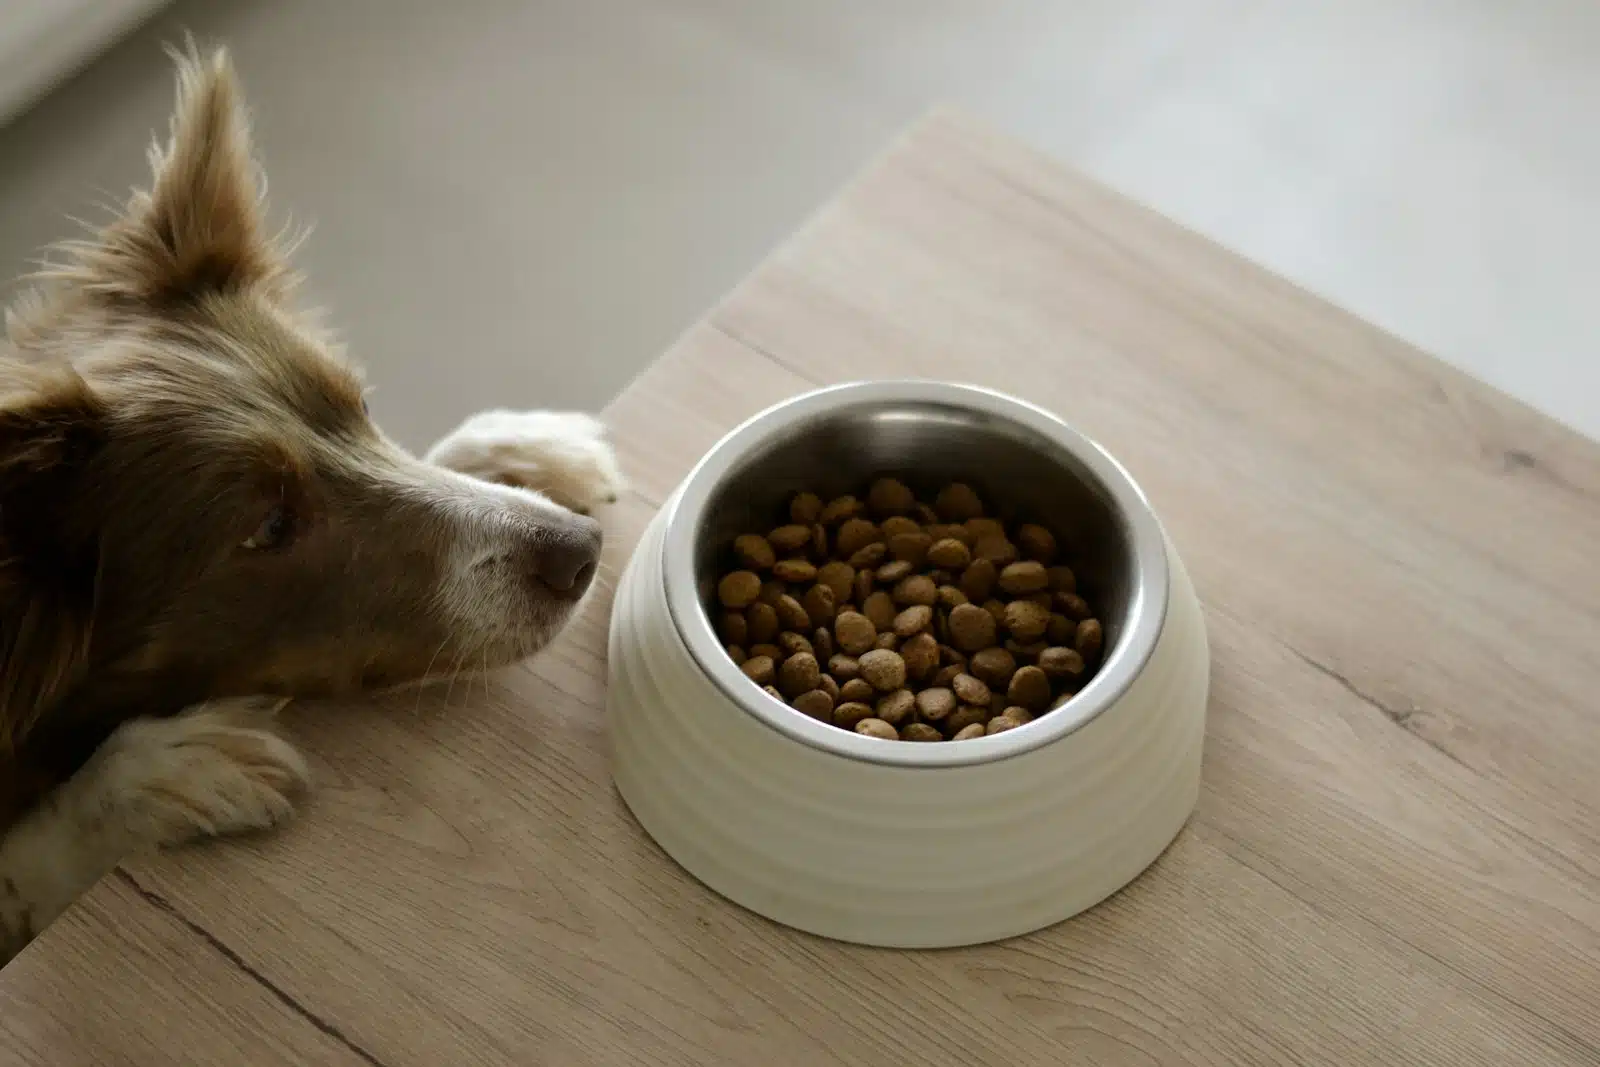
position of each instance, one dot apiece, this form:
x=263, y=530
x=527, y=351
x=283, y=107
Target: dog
x=199, y=520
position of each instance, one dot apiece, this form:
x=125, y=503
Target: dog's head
x=194, y=501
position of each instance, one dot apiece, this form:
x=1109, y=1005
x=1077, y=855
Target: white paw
x=562, y=454
x=209, y=772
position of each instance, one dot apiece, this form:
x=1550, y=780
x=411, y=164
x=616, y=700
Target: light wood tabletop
x=1396, y=856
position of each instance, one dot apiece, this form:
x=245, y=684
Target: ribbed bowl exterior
x=899, y=856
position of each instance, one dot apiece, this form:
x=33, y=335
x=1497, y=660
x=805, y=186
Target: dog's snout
x=567, y=557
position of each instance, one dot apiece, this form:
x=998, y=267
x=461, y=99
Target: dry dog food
x=907, y=620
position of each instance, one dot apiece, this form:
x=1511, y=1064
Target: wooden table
x=1396, y=858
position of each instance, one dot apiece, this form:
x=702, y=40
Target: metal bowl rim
x=1146, y=613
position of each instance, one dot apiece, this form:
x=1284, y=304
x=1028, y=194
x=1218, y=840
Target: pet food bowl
x=898, y=843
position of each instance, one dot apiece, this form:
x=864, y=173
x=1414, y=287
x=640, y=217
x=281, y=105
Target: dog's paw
x=562, y=454
x=210, y=772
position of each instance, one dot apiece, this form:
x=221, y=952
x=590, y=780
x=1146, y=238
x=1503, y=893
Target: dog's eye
x=273, y=532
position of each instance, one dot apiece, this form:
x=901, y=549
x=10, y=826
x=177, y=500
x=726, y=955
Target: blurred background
x=522, y=203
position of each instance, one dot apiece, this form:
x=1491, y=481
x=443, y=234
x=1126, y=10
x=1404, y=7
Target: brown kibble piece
x=965, y=716
x=935, y=703
x=1037, y=543
x=794, y=571
x=1058, y=662
x=1089, y=638
x=895, y=525
x=844, y=667
x=822, y=642
x=791, y=615
x=913, y=620
x=855, y=632
x=737, y=654
x=857, y=691
x=977, y=581
x=1073, y=606
x=946, y=675
x=1026, y=620
x=979, y=528
x=754, y=552
x=919, y=731
x=851, y=712
x=772, y=691
x=884, y=669
x=1062, y=580
x=917, y=589
x=921, y=654
x=958, y=503
x=879, y=607
x=971, y=628
x=815, y=703
x=888, y=639
x=1061, y=630
x=819, y=541
x=994, y=666
x=893, y=571
x=838, y=576
x=787, y=540
x=863, y=586
x=999, y=725
x=869, y=555
x=1025, y=653
x=1029, y=688
x=996, y=548
x=771, y=590
x=1018, y=579
x=839, y=509
x=799, y=674
x=818, y=603
x=889, y=497
x=951, y=597
x=772, y=652
x=950, y=554
x=996, y=610
x=894, y=708
x=854, y=535
x=910, y=548
x=793, y=644
x=968, y=732
x=829, y=686
x=759, y=669
x=763, y=619
x=805, y=508
x=877, y=728
x=734, y=628
x=739, y=589
x=970, y=690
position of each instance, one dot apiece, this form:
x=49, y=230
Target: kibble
x=883, y=669
x=789, y=539
x=907, y=619
x=805, y=508
x=815, y=703
x=877, y=728
x=739, y=589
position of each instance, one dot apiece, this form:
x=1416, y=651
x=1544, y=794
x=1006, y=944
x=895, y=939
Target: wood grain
x=1396, y=857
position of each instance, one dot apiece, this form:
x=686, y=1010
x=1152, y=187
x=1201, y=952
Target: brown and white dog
x=198, y=519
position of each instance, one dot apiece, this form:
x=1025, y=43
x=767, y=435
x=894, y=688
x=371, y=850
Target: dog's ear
x=51, y=428
x=199, y=229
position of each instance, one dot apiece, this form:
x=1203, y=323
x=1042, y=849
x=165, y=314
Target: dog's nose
x=567, y=557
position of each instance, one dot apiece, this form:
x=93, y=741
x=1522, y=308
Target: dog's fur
x=198, y=519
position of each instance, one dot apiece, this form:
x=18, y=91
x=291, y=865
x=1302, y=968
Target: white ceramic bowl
x=895, y=843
